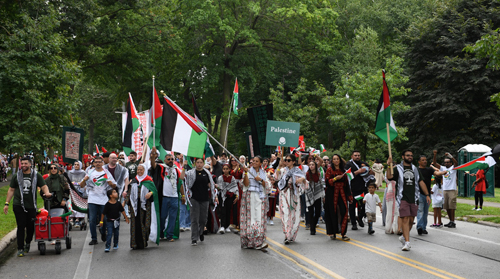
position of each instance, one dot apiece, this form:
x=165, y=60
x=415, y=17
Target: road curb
x=6, y=240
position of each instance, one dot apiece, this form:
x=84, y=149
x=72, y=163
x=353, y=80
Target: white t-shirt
x=450, y=178
x=371, y=202
x=437, y=195
x=97, y=194
x=169, y=190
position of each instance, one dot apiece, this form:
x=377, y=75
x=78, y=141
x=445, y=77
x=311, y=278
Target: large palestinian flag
x=180, y=132
x=132, y=124
x=481, y=163
x=154, y=125
x=384, y=115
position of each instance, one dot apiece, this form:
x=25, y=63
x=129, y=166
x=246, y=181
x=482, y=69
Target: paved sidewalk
x=485, y=203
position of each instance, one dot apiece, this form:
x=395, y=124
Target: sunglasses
x=53, y=168
x=169, y=159
x=288, y=160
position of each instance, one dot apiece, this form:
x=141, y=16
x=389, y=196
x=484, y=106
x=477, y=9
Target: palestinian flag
x=132, y=124
x=236, y=98
x=322, y=147
x=359, y=197
x=97, y=149
x=384, y=115
x=180, y=132
x=189, y=162
x=350, y=175
x=103, y=149
x=209, y=150
x=481, y=163
x=154, y=124
x=154, y=234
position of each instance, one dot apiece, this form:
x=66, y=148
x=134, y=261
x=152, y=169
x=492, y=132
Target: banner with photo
x=72, y=144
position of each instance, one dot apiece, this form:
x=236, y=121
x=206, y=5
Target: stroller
x=54, y=226
x=78, y=200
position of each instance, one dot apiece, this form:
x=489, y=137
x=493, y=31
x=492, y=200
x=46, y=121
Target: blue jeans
x=423, y=211
x=111, y=230
x=95, y=211
x=185, y=219
x=169, y=208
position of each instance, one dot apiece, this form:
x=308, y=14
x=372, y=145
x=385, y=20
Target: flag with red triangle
x=236, y=98
x=131, y=125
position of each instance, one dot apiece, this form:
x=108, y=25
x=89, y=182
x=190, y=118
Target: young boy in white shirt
x=371, y=200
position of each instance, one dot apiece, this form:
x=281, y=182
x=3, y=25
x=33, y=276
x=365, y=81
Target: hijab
x=142, y=177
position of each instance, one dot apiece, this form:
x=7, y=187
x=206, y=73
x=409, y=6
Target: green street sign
x=282, y=133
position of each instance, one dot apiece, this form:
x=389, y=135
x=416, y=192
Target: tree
x=450, y=98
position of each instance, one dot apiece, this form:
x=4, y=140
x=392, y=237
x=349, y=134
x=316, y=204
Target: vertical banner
x=139, y=135
x=258, y=117
x=72, y=144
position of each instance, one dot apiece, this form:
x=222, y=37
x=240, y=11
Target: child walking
x=437, y=196
x=371, y=200
x=112, y=211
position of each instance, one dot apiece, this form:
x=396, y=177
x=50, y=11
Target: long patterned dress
x=290, y=204
x=337, y=195
x=253, y=216
x=139, y=224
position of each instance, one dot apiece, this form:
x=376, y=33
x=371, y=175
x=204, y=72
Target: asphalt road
x=469, y=251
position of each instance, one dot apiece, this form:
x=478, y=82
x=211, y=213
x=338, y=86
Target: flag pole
x=389, y=145
x=228, y=118
x=151, y=117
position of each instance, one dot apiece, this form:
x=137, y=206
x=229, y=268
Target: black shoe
x=371, y=231
x=313, y=232
x=420, y=231
x=202, y=237
x=354, y=227
x=286, y=241
x=193, y=243
x=93, y=242
x=448, y=225
x=452, y=225
x=425, y=232
x=27, y=248
x=360, y=221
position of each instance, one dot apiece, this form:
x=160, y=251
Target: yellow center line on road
x=403, y=260
x=309, y=261
x=294, y=261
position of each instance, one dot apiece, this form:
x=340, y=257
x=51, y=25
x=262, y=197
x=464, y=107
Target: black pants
x=226, y=212
x=314, y=214
x=25, y=221
x=352, y=209
x=478, y=197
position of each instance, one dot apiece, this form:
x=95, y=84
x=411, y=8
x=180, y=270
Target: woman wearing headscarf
x=254, y=205
x=142, y=199
x=198, y=184
x=338, y=195
x=58, y=185
x=314, y=194
x=76, y=175
x=292, y=183
x=378, y=169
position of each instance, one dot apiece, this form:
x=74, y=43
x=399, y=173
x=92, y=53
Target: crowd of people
x=162, y=197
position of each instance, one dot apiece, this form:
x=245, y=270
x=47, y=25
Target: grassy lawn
x=495, y=199
x=8, y=222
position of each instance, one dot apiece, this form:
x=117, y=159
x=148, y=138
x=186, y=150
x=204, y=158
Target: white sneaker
x=474, y=208
x=221, y=230
x=182, y=229
x=271, y=222
x=187, y=229
x=402, y=240
x=479, y=209
x=228, y=230
x=406, y=247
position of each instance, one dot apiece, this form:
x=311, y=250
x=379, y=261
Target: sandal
x=345, y=238
x=333, y=237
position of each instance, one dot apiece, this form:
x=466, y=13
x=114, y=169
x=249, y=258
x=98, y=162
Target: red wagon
x=52, y=227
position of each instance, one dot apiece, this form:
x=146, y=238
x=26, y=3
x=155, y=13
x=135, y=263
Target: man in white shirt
x=449, y=185
x=170, y=206
x=98, y=182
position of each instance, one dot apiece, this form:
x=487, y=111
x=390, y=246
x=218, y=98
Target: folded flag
x=236, y=98
x=384, y=115
x=359, y=197
x=322, y=147
x=131, y=125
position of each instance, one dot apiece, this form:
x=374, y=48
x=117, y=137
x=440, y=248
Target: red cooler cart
x=52, y=227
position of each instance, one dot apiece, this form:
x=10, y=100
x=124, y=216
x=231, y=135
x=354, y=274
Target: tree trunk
x=330, y=140
x=226, y=97
x=91, y=135
x=216, y=125
x=208, y=122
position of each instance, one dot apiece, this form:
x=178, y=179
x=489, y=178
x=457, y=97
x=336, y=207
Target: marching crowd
x=162, y=197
